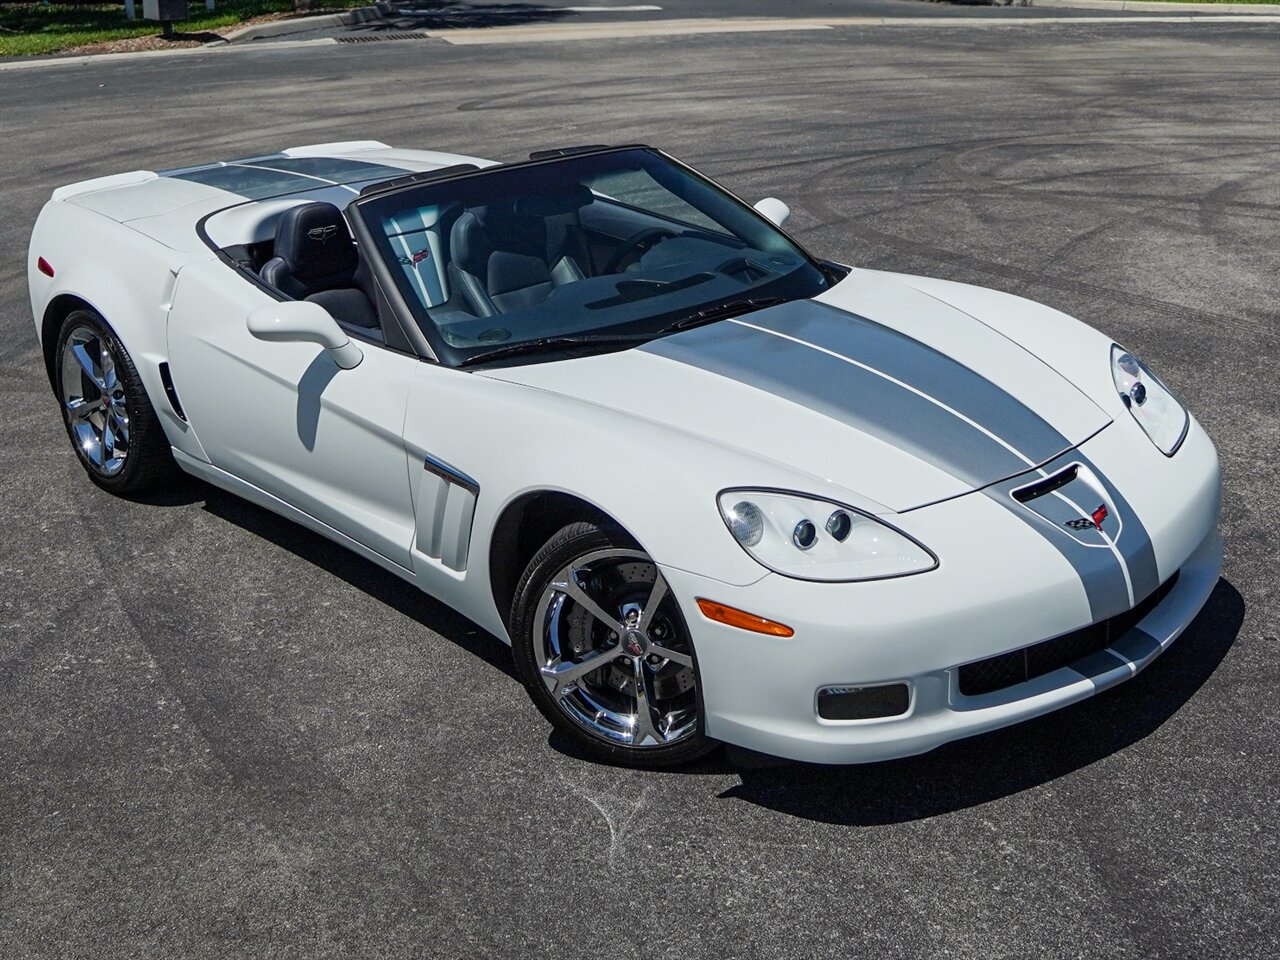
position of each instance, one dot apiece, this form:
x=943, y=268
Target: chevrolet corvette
x=709, y=486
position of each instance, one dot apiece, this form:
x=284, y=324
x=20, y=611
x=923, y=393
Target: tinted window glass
x=618, y=244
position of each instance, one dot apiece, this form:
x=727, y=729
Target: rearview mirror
x=773, y=210
x=297, y=321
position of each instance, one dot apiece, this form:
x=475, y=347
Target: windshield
x=581, y=251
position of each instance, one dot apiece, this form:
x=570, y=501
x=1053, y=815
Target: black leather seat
x=513, y=255
x=316, y=260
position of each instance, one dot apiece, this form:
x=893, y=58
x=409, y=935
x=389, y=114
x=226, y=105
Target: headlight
x=813, y=539
x=1155, y=408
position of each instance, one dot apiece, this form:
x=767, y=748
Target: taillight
x=43, y=266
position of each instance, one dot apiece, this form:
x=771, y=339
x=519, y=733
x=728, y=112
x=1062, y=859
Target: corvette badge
x=1094, y=521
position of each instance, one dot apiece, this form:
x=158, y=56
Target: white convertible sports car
x=709, y=487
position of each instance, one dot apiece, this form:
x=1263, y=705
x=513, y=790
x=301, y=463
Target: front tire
x=109, y=418
x=601, y=646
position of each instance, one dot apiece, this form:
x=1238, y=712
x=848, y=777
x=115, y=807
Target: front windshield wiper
x=550, y=344
x=723, y=311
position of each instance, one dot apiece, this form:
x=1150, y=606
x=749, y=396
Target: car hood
x=876, y=387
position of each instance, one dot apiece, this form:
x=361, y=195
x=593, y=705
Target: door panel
x=284, y=417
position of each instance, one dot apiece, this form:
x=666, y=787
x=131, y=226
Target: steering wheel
x=637, y=246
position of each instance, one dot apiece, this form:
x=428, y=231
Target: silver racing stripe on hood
x=879, y=381
x=1113, y=556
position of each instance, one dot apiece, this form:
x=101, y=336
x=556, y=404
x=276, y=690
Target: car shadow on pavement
x=956, y=776
x=994, y=765
x=362, y=574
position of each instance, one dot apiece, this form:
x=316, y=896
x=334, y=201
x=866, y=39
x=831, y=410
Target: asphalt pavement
x=222, y=736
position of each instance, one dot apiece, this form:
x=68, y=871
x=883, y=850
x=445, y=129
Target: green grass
x=31, y=28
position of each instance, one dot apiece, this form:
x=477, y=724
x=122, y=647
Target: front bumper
x=997, y=589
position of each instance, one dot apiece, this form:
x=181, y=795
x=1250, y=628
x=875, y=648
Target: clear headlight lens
x=814, y=539
x=1152, y=404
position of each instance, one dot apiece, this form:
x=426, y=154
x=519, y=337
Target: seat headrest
x=526, y=225
x=479, y=232
x=313, y=239
x=554, y=204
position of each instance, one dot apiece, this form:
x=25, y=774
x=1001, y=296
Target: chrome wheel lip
x=644, y=727
x=94, y=402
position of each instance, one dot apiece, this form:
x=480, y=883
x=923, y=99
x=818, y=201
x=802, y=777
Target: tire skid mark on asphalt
x=1085, y=175
x=1211, y=209
x=815, y=192
x=1033, y=187
x=1063, y=284
x=1245, y=210
x=620, y=827
x=987, y=187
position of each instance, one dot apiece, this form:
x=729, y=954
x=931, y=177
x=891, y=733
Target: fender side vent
x=167, y=379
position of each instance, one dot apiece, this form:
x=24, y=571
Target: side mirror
x=297, y=321
x=773, y=210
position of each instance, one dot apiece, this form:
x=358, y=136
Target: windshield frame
x=433, y=346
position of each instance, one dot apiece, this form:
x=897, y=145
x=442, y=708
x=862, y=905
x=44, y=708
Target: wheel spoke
x=656, y=596
x=568, y=584
x=122, y=424
x=81, y=408
x=88, y=366
x=108, y=440
x=644, y=728
x=564, y=675
x=108, y=367
x=91, y=443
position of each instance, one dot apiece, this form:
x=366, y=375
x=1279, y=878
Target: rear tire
x=108, y=417
x=591, y=596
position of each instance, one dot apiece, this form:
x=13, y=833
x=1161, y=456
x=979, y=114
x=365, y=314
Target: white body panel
x=287, y=419
x=412, y=464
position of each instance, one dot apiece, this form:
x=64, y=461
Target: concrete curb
x=282, y=28
x=1150, y=6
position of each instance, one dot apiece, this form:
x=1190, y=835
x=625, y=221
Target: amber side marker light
x=742, y=620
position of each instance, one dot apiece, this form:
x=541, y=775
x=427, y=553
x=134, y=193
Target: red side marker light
x=43, y=266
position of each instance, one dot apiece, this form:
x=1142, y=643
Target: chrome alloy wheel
x=614, y=652
x=94, y=399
